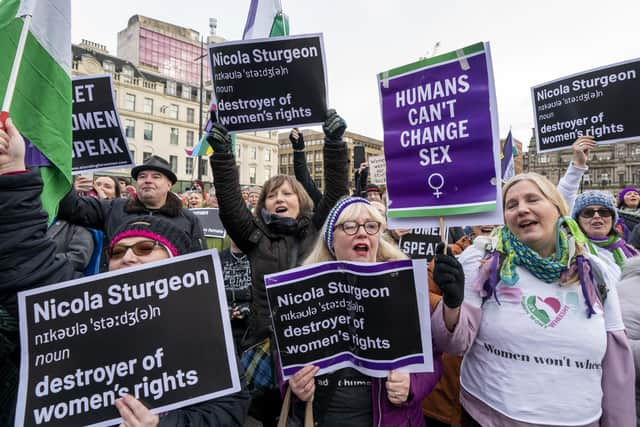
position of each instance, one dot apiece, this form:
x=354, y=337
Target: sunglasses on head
x=590, y=212
x=142, y=248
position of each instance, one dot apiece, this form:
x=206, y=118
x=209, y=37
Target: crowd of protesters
x=496, y=291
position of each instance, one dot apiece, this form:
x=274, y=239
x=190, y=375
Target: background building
x=611, y=166
x=314, y=141
x=158, y=95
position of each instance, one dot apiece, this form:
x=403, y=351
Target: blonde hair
x=546, y=187
x=387, y=249
x=306, y=204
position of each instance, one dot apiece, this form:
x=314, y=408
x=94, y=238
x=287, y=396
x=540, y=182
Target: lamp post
x=201, y=58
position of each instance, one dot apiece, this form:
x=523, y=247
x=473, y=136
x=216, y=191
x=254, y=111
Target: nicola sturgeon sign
x=441, y=139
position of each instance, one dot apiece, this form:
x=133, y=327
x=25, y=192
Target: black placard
x=603, y=102
x=421, y=243
x=210, y=220
x=159, y=331
x=336, y=314
x=98, y=140
x=272, y=83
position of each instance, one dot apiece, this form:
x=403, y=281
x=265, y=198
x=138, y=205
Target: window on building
x=318, y=156
x=109, y=67
x=173, y=136
x=267, y=155
x=252, y=174
x=130, y=102
x=267, y=173
x=190, y=138
x=172, y=88
x=283, y=159
x=148, y=131
x=238, y=150
x=127, y=71
x=145, y=156
x=148, y=106
x=186, y=91
x=191, y=114
x=133, y=156
x=173, y=111
x=130, y=128
x=188, y=169
x=173, y=163
x=253, y=153
x=203, y=167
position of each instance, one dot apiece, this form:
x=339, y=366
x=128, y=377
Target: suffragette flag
x=508, y=167
x=265, y=19
x=37, y=34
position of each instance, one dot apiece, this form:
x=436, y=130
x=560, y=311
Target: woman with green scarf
x=597, y=215
x=538, y=319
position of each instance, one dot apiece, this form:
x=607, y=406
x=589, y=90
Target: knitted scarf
x=565, y=266
x=617, y=246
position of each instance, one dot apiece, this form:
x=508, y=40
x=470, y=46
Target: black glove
x=449, y=277
x=296, y=143
x=219, y=139
x=334, y=126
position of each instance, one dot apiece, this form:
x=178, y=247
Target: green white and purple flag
x=41, y=103
x=265, y=19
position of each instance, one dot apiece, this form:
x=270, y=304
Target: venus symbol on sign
x=436, y=186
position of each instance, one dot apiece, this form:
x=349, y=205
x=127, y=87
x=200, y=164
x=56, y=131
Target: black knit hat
x=155, y=163
x=155, y=228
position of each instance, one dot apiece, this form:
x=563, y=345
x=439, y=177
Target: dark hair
x=116, y=184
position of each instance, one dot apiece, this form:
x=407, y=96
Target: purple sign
x=370, y=317
x=440, y=135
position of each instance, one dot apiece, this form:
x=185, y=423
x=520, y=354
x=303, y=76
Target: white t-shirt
x=537, y=358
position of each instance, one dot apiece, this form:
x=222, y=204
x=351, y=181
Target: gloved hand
x=297, y=140
x=219, y=139
x=334, y=126
x=449, y=276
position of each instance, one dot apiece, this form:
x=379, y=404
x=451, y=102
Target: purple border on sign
x=367, y=364
x=301, y=273
x=465, y=179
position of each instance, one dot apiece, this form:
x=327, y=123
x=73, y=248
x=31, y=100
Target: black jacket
x=108, y=215
x=27, y=256
x=268, y=251
x=302, y=174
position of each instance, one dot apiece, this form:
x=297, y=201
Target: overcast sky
x=531, y=42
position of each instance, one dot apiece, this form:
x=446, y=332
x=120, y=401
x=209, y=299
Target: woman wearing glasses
x=346, y=397
x=596, y=215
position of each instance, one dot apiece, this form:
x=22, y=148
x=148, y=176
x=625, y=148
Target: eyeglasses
x=352, y=227
x=142, y=248
x=590, y=212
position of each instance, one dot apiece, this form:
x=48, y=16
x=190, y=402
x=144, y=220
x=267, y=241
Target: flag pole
x=13, y=77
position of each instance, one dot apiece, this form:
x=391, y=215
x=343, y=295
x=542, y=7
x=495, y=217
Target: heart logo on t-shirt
x=544, y=311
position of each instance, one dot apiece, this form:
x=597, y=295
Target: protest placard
x=377, y=170
x=210, y=221
x=160, y=332
x=603, y=102
x=372, y=317
x=98, y=140
x=269, y=83
x=441, y=139
x=421, y=242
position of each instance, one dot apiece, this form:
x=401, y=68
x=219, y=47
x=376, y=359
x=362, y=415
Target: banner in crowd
x=278, y=82
x=441, y=140
x=160, y=332
x=98, y=140
x=377, y=170
x=421, y=242
x=210, y=220
x=370, y=317
x=601, y=102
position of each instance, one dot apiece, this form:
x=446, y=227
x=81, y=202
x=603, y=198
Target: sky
x=531, y=42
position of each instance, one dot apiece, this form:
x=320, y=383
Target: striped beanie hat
x=334, y=214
